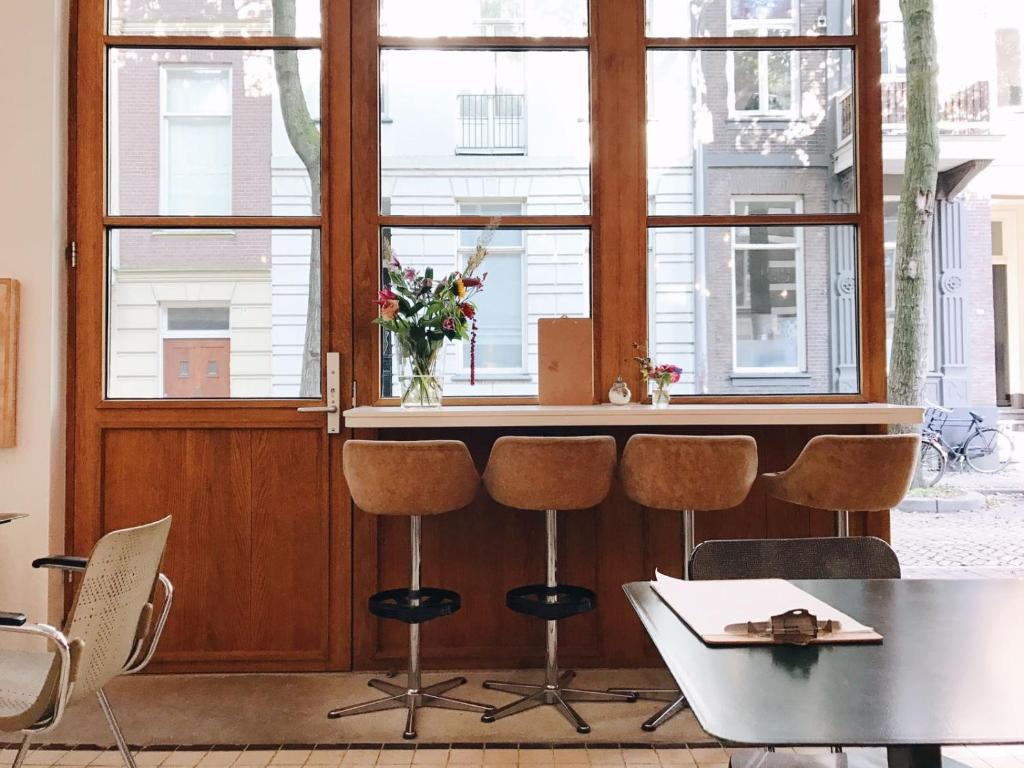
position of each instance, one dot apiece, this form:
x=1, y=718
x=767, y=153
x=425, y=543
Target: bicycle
x=975, y=449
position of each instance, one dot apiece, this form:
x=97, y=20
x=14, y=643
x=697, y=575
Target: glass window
x=195, y=168
x=455, y=117
x=704, y=149
x=213, y=132
x=721, y=18
x=490, y=18
x=246, y=338
x=756, y=310
x=219, y=18
x=530, y=274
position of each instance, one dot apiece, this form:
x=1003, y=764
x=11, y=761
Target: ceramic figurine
x=619, y=394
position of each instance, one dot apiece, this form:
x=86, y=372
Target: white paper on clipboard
x=707, y=607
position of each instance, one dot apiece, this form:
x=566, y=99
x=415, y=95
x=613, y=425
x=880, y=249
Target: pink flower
x=385, y=297
x=448, y=324
x=409, y=274
x=389, y=309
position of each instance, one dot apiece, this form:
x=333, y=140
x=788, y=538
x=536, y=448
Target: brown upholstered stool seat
x=848, y=472
x=547, y=474
x=387, y=478
x=685, y=473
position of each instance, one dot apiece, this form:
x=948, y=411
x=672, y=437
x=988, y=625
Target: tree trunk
x=304, y=135
x=907, y=366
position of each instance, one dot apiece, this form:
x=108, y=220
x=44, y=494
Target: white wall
x=32, y=218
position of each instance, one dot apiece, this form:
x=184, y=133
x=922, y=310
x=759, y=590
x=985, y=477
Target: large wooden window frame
x=618, y=221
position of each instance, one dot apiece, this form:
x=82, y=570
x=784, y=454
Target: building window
x=494, y=122
x=501, y=18
x=763, y=82
x=768, y=326
x=501, y=331
x=195, y=156
x=1008, y=68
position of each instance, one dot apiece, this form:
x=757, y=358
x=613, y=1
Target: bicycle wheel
x=989, y=451
x=932, y=464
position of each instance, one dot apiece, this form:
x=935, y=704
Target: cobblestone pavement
x=983, y=543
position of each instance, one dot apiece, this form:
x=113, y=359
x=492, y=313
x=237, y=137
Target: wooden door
x=197, y=368
x=165, y=417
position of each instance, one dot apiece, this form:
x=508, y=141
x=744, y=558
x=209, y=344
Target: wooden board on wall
x=10, y=294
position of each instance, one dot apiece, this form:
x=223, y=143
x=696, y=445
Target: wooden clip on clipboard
x=758, y=612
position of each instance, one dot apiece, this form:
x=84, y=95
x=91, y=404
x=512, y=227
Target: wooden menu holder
x=566, y=351
x=9, y=296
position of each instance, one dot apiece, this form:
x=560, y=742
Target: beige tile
x=44, y=756
x=501, y=756
x=606, y=756
x=710, y=756
x=571, y=757
x=219, y=758
x=811, y=750
x=291, y=757
x=466, y=757
x=430, y=757
x=77, y=757
x=640, y=757
x=675, y=757
x=149, y=759
x=536, y=757
x=111, y=758
x=326, y=757
x=184, y=758
x=360, y=757
x=395, y=757
x=255, y=757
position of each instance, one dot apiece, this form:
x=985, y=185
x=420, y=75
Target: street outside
x=987, y=542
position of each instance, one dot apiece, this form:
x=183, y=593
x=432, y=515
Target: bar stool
x=685, y=474
x=840, y=473
x=371, y=468
x=549, y=474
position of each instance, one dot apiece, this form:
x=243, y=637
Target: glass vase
x=660, y=397
x=422, y=381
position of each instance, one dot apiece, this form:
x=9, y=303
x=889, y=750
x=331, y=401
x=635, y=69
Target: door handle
x=333, y=407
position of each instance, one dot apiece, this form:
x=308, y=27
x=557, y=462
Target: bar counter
x=485, y=549
x=742, y=414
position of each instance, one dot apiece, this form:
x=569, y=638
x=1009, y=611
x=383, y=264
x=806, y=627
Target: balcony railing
x=965, y=112
x=491, y=124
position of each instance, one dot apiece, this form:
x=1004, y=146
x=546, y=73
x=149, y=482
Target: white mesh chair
x=109, y=632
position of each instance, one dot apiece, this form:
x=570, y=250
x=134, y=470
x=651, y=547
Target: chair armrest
x=63, y=562
x=146, y=646
x=10, y=619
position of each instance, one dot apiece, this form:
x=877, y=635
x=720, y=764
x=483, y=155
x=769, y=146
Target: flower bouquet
x=424, y=311
x=663, y=377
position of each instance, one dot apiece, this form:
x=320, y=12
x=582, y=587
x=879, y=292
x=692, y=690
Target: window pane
x=542, y=273
x=723, y=123
x=212, y=314
x=469, y=18
x=485, y=124
x=196, y=133
x=721, y=18
x=223, y=18
x=756, y=310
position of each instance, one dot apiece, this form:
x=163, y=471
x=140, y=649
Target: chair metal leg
x=650, y=694
x=664, y=714
x=19, y=758
x=842, y=523
x=412, y=695
x=552, y=692
x=122, y=745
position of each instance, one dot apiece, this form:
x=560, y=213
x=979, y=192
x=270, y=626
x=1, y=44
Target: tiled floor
x=439, y=756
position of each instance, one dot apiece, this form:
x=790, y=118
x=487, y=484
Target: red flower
x=472, y=282
x=448, y=324
x=385, y=297
x=468, y=310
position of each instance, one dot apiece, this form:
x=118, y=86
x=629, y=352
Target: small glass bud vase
x=660, y=397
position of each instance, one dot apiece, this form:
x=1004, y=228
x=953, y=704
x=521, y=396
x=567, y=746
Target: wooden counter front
x=486, y=549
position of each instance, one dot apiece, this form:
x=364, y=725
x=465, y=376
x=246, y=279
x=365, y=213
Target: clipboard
x=758, y=612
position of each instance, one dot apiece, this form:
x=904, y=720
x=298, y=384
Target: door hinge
x=354, y=393
x=72, y=254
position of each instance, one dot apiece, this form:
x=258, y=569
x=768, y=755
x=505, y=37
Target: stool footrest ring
x=551, y=603
x=398, y=604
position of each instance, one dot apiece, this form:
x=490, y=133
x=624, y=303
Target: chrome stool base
x=556, y=695
x=675, y=698
x=410, y=699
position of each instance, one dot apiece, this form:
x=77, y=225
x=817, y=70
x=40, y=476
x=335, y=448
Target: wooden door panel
x=248, y=551
x=197, y=368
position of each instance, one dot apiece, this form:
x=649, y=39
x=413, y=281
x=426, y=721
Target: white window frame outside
x=891, y=18
x=763, y=28
x=801, y=307
x=166, y=118
x=462, y=254
x=198, y=333
x=487, y=24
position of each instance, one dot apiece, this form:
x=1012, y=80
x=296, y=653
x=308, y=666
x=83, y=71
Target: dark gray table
x=949, y=671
